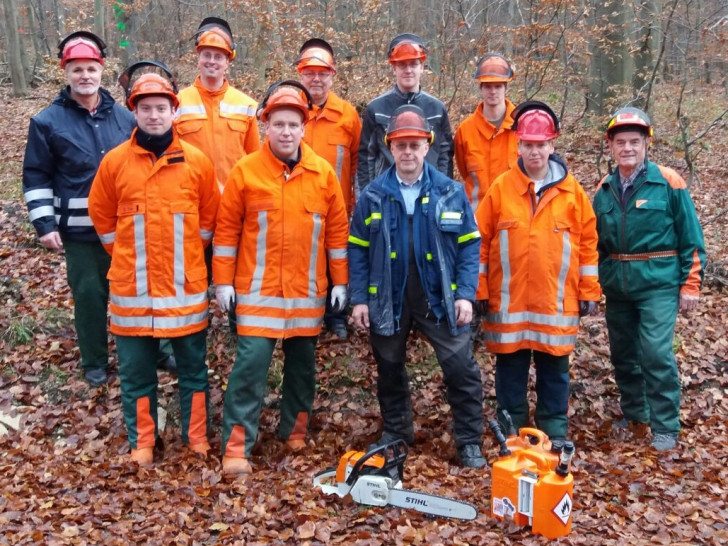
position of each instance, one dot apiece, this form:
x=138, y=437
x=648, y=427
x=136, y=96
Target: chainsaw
x=375, y=478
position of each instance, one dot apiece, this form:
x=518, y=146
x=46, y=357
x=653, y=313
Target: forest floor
x=64, y=471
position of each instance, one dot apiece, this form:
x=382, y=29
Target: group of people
x=331, y=211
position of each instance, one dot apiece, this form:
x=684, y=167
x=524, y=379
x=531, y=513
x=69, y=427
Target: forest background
x=63, y=472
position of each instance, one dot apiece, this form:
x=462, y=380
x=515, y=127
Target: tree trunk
x=15, y=63
x=100, y=18
x=609, y=49
x=60, y=18
x=648, y=22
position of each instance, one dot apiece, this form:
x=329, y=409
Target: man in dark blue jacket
x=413, y=260
x=407, y=56
x=66, y=142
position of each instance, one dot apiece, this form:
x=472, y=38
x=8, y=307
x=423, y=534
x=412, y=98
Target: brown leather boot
x=235, y=466
x=202, y=448
x=143, y=456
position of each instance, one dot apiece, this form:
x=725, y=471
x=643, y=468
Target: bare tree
x=17, y=75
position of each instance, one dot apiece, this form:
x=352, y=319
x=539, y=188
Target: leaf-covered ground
x=65, y=476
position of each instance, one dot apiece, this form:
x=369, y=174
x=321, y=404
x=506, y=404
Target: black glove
x=587, y=308
x=481, y=306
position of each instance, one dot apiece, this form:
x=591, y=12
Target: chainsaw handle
x=398, y=451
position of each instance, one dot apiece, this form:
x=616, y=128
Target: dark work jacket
x=65, y=146
x=446, y=248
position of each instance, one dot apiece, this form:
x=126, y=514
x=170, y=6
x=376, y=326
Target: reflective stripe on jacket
x=374, y=155
x=658, y=216
x=154, y=216
x=482, y=152
x=445, y=247
x=221, y=123
x=65, y=146
x=276, y=230
x=538, y=259
x=333, y=132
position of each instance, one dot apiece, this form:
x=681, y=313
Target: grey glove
x=587, y=308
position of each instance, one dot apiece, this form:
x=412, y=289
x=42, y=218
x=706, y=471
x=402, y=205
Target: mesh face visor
x=494, y=68
x=407, y=51
x=408, y=122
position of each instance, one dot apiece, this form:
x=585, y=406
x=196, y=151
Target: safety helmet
x=315, y=53
x=285, y=94
x=630, y=119
x=494, y=68
x=407, y=47
x=215, y=32
x=149, y=84
x=535, y=121
x=81, y=44
x=409, y=121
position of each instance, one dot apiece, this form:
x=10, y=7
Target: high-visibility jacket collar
x=205, y=91
x=487, y=128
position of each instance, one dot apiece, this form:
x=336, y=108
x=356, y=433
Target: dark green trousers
x=641, y=335
x=246, y=388
x=138, y=375
x=86, y=267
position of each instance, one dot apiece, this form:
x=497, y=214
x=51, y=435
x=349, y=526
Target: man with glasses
x=333, y=131
x=407, y=55
x=413, y=258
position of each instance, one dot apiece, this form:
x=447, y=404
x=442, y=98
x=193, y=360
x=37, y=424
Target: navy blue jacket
x=65, y=146
x=446, y=247
x=374, y=155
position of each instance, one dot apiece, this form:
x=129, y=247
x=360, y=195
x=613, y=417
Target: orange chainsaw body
x=527, y=489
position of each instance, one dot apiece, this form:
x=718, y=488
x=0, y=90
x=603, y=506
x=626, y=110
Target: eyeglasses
x=403, y=146
x=311, y=74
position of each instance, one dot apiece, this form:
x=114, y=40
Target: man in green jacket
x=651, y=262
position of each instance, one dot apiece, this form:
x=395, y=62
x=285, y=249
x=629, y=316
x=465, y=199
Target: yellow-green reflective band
x=356, y=241
x=425, y=200
x=393, y=255
x=451, y=215
x=374, y=216
x=429, y=257
x=454, y=286
x=372, y=289
x=469, y=236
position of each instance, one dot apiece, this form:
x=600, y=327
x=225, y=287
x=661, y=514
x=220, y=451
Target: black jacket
x=375, y=157
x=65, y=146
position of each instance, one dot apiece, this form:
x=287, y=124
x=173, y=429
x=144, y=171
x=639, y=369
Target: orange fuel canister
x=533, y=487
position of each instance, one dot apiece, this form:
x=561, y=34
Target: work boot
x=235, y=466
x=202, y=448
x=296, y=444
x=168, y=364
x=96, y=377
x=339, y=330
x=388, y=438
x=471, y=456
x=664, y=441
x=143, y=456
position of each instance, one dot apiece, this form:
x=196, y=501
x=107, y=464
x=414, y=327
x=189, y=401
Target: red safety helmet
x=494, y=68
x=407, y=47
x=315, y=53
x=630, y=119
x=535, y=121
x=81, y=44
x=215, y=32
x=286, y=94
x=408, y=121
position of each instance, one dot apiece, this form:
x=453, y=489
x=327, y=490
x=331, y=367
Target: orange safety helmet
x=632, y=119
x=408, y=121
x=315, y=53
x=535, y=121
x=149, y=84
x=407, y=47
x=283, y=94
x=215, y=32
x=81, y=44
x=494, y=68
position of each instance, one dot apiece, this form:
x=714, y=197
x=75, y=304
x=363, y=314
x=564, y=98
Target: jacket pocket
x=196, y=280
x=450, y=220
x=239, y=125
x=121, y=279
x=651, y=214
x=189, y=126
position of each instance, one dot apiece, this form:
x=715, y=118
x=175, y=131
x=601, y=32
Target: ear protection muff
x=284, y=83
x=126, y=76
x=216, y=23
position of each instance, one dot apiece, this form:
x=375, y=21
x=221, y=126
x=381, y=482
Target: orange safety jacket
x=155, y=216
x=334, y=132
x=221, y=123
x=538, y=259
x=276, y=228
x=482, y=152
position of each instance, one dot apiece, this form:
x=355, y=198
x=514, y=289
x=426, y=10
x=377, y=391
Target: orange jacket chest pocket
x=239, y=126
x=189, y=126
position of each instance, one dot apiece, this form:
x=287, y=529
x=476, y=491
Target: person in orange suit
x=333, y=131
x=153, y=203
x=485, y=143
x=282, y=221
x=538, y=272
